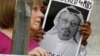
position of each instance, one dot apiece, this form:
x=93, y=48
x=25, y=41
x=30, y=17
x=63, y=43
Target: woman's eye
x=35, y=9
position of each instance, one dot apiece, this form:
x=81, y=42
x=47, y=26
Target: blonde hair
x=32, y=3
x=38, y=2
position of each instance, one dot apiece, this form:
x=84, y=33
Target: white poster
x=62, y=24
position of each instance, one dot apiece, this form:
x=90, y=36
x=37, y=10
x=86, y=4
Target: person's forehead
x=38, y=2
x=69, y=16
x=36, y=5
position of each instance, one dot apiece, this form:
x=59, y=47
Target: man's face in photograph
x=68, y=25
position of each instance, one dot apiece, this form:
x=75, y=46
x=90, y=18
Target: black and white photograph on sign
x=62, y=25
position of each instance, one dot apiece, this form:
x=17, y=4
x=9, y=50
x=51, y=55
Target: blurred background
x=93, y=47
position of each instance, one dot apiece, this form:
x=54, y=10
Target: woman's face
x=36, y=17
x=68, y=26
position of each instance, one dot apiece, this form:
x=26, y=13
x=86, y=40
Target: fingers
x=41, y=33
x=34, y=53
x=85, y=28
x=38, y=34
x=42, y=52
x=38, y=52
x=86, y=24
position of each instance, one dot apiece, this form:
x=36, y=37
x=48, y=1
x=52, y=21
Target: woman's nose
x=41, y=15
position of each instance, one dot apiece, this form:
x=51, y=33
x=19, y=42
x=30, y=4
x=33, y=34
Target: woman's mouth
x=37, y=22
